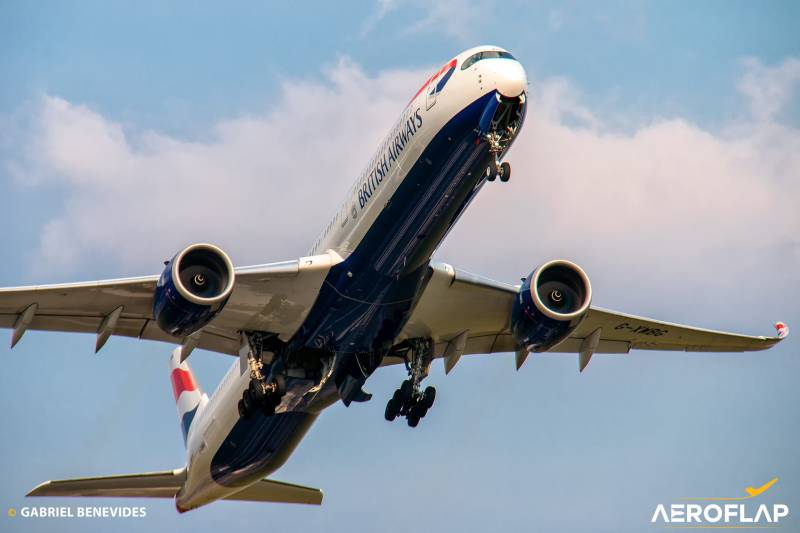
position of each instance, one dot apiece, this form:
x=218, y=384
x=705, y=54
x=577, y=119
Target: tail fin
x=188, y=396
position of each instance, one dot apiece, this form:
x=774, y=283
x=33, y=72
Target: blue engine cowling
x=193, y=288
x=551, y=303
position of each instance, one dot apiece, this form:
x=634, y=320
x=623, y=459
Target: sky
x=661, y=152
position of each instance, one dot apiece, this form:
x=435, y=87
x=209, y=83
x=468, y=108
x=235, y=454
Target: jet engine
x=551, y=303
x=193, y=288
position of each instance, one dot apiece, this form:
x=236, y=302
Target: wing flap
x=214, y=339
x=608, y=346
x=129, y=327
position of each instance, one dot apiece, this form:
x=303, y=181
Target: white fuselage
x=421, y=120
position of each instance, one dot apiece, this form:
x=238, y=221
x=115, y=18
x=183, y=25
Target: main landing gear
x=262, y=393
x=412, y=406
x=410, y=400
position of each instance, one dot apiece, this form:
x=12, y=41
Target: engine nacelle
x=551, y=303
x=193, y=288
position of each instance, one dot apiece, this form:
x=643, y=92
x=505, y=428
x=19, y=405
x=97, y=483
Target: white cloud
x=457, y=19
x=383, y=8
x=560, y=102
x=769, y=88
x=262, y=186
x=667, y=208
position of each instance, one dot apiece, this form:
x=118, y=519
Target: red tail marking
x=182, y=381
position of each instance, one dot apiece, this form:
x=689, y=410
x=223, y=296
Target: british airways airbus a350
x=309, y=332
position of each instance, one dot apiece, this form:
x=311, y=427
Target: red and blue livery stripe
x=186, y=391
x=443, y=75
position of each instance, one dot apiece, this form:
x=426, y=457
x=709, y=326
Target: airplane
x=308, y=332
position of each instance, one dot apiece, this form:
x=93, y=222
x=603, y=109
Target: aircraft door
x=430, y=92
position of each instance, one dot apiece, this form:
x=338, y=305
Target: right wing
x=274, y=297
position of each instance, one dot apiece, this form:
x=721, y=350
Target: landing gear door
x=430, y=93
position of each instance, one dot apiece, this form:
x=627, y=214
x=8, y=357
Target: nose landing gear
x=507, y=117
x=410, y=400
x=499, y=170
x=503, y=171
x=497, y=144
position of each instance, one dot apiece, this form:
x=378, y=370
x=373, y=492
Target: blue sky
x=661, y=153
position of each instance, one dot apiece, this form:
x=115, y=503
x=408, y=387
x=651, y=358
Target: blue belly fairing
x=366, y=300
x=257, y=446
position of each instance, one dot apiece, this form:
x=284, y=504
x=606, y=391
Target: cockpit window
x=488, y=54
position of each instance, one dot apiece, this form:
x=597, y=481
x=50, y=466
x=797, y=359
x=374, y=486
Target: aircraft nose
x=510, y=77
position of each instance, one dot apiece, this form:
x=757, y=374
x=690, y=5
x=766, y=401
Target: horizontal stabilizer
x=166, y=484
x=149, y=485
x=268, y=490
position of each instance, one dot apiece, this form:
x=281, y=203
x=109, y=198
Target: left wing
x=469, y=314
x=274, y=297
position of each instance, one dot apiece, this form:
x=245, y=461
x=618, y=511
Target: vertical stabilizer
x=188, y=396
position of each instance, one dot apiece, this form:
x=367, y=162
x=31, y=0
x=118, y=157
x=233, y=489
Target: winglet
x=782, y=330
